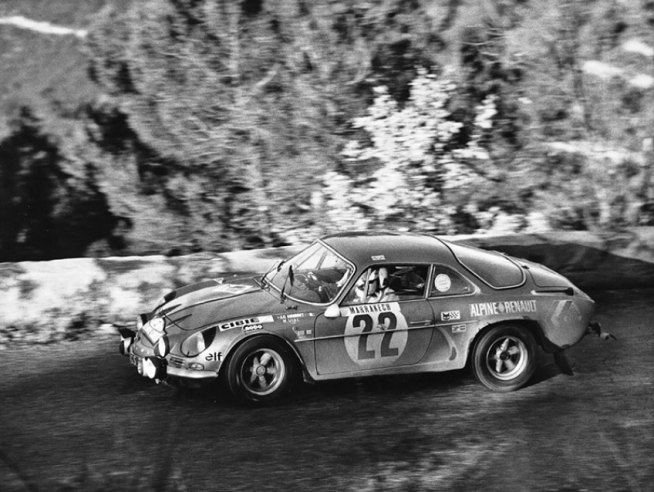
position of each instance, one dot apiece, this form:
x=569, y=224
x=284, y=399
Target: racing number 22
x=366, y=322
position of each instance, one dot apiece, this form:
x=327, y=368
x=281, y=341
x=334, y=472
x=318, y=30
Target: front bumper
x=170, y=369
x=179, y=372
x=150, y=367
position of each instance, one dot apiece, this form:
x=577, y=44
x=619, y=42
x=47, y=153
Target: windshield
x=317, y=275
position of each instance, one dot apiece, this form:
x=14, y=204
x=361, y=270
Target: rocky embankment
x=70, y=299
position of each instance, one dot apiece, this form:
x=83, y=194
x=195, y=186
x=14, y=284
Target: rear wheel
x=261, y=370
x=504, y=357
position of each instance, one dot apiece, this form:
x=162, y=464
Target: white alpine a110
x=362, y=304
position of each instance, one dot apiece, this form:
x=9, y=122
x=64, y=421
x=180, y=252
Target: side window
x=409, y=281
x=447, y=282
x=387, y=283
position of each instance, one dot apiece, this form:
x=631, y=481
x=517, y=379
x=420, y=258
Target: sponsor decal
x=565, y=313
x=299, y=315
x=216, y=356
x=450, y=315
x=375, y=334
x=458, y=328
x=371, y=308
x=303, y=333
x=442, y=282
x=242, y=323
x=294, y=318
x=232, y=288
x=378, y=258
x=252, y=327
x=504, y=307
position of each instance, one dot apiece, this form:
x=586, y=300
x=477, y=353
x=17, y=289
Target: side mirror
x=333, y=312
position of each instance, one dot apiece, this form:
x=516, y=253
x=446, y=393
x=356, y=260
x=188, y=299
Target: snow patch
x=58, y=284
x=42, y=27
x=605, y=71
x=602, y=70
x=598, y=150
x=642, y=81
x=637, y=46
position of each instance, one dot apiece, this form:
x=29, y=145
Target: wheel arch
x=523, y=354
x=529, y=324
x=260, y=334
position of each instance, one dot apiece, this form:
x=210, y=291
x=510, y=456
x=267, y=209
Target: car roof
x=366, y=247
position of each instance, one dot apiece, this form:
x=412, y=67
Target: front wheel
x=261, y=370
x=504, y=358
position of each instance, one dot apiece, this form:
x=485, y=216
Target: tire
x=504, y=358
x=261, y=370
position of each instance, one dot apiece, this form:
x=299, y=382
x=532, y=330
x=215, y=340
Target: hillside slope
x=468, y=117
x=41, y=69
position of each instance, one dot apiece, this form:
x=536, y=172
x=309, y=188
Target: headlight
x=198, y=342
x=162, y=347
x=149, y=369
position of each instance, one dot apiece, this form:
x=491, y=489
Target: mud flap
x=563, y=364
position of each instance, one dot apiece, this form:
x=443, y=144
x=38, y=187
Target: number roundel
x=375, y=339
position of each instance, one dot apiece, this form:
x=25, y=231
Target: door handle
x=418, y=323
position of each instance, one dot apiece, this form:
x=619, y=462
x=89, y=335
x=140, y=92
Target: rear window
x=496, y=270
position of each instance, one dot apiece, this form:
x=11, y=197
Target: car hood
x=198, y=305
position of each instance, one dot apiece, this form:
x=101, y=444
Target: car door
x=448, y=294
x=381, y=335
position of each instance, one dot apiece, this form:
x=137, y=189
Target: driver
x=372, y=286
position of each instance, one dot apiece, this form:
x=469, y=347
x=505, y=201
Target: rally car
x=362, y=304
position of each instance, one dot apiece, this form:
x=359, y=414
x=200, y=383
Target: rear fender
x=528, y=324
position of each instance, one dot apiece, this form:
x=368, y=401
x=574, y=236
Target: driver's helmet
x=377, y=279
x=371, y=277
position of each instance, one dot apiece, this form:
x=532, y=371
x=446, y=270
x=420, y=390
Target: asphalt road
x=76, y=416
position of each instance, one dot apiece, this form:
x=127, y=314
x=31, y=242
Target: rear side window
x=447, y=282
x=496, y=270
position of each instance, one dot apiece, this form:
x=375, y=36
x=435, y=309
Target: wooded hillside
x=207, y=125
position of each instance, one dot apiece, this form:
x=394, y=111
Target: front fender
x=246, y=335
